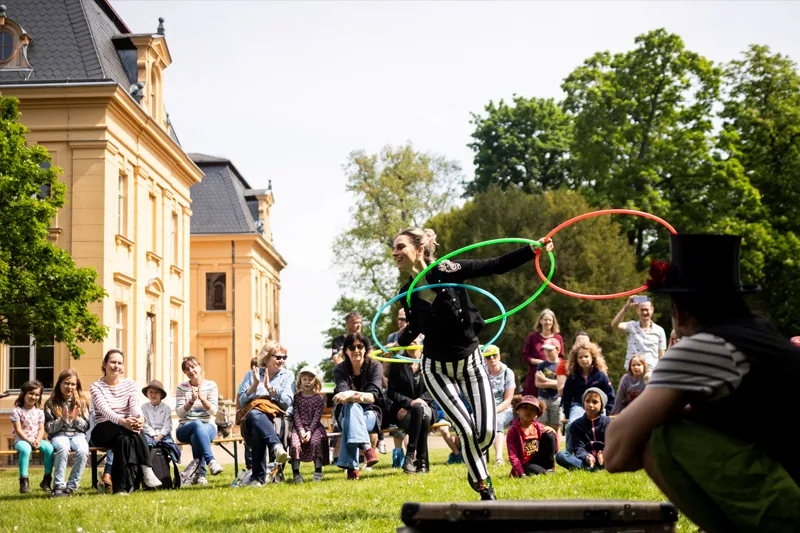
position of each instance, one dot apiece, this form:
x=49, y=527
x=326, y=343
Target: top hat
x=155, y=384
x=700, y=263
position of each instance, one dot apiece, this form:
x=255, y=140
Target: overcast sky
x=287, y=89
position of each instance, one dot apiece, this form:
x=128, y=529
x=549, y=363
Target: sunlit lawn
x=369, y=505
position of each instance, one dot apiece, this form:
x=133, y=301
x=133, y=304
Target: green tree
x=526, y=144
x=591, y=257
x=42, y=292
x=644, y=139
x=343, y=306
x=393, y=190
x=762, y=130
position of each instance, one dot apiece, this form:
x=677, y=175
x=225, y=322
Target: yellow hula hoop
x=374, y=354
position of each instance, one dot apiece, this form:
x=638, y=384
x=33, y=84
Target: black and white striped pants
x=446, y=381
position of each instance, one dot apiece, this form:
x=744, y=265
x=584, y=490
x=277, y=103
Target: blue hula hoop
x=436, y=285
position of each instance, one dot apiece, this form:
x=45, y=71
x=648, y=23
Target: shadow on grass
x=290, y=517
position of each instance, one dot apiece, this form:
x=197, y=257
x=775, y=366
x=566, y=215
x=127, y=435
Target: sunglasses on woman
x=358, y=347
x=281, y=357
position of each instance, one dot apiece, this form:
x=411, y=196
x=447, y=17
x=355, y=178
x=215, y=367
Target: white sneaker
x=201, y=480
x=280, y=454
x=499, y=462
x=149, y=478
x=215, y=468
x=382, y=447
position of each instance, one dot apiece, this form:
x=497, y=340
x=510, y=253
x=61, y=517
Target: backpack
x=162, y=460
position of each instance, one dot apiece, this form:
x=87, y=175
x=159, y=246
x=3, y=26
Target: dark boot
x=422, y=465
x=487, y=493
x=24, y=485
x=408, y=464
x=47, y=480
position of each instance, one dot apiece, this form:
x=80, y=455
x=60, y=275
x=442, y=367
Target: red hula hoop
x=590, y=215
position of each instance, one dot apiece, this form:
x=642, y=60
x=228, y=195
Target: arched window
x=6, y=45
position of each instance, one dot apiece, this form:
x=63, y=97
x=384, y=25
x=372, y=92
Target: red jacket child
x=531, y=445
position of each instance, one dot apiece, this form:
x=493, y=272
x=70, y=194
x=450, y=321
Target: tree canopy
x=42, y=293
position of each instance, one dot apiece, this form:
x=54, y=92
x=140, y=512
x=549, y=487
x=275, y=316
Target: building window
x=173, y=350
x=121, y=205
x=29, y=360
x=173, y=239
x=6, y=45
x=119, y=327
x=216, y=291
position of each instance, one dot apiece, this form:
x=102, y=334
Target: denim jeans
x=569, y=461
x=25, y=450
x=575, y=412
x=199, y=435
x=62, y=446
x=259, y=434
x=356, y=423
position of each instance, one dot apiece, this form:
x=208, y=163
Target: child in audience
x=66, y=420
x=588, y=434
x=587, y=368
x=27, y=427
x=547, y=384
x=309, y=441
x=532, y=446
x=632, y=384
x=157, y=415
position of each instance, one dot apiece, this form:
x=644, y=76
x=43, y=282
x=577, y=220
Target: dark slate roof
x=219, y=201
x=71, y=41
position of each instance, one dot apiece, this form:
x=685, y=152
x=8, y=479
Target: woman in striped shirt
x=119, y=421
x=196, y=404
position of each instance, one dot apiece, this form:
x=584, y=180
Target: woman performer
x=452, y=363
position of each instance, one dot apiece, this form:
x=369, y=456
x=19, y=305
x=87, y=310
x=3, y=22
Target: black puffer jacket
x=451, y=323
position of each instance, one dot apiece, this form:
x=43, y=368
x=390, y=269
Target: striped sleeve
x=114, y=403
x=702, y=363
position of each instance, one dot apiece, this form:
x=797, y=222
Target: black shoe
x=408, y=464
x=46, y=481
x=422, y=466
x=487, y=493
x=59, y=492
x=24, y=485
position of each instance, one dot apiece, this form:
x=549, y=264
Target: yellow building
x=91, y=92
x=232, y=260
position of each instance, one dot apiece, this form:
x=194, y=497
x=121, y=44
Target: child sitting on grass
x=309, y=442
x=588, y=434
x=27, y=427
x=532, y=446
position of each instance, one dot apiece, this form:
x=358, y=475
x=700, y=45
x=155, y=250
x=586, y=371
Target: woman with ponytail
x=452, y=364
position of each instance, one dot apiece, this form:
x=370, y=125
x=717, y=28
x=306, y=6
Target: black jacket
x=404, y=387
x=451, y=323
x=588, y=436
x=370, y=380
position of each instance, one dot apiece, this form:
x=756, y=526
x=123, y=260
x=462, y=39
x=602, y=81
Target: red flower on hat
x=658, y=274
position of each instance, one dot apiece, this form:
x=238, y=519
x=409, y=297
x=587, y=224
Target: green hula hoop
x=479, y=245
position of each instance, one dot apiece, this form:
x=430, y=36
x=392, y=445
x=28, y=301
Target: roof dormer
x=14, y=43
x=145, y=56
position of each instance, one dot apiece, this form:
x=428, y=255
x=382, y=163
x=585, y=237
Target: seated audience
x=504, y=386
x=27, y=427
x=561, y=369
x=632, y=383
x=532, y=446
x=587, y=368
x=357, y=398
x=588, y=434
x=263, y=393
x=119, y=423
x=66, y=420
x=157, y=415
x=411, y=411
x=196, y=404
x=309, y=441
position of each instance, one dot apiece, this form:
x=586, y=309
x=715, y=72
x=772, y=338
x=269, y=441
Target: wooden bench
x=235, y=440
x=390, y=430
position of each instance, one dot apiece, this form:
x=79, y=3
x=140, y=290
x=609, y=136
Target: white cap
x=548, y=346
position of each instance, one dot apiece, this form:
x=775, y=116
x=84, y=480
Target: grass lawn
x=371, y=504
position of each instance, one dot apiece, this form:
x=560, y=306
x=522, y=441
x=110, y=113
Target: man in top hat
x=697, y=429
